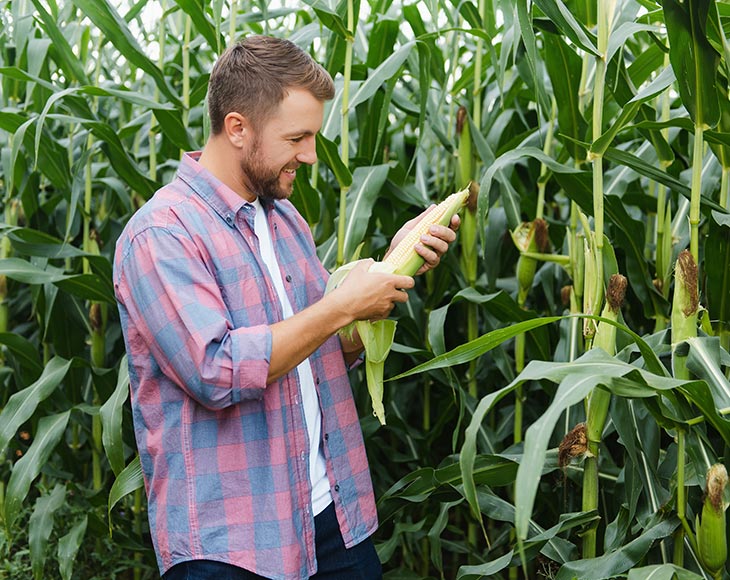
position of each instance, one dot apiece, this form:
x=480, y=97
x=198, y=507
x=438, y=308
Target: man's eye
x=296, y=139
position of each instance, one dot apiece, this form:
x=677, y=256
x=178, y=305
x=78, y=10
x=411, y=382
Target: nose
x=308, y=151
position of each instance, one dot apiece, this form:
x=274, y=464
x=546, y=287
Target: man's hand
x=433, y=245
x=368, y=295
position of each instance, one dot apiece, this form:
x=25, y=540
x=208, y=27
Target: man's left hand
x=433, y=244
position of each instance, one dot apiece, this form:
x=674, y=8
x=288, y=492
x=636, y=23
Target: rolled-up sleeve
x=175, y=307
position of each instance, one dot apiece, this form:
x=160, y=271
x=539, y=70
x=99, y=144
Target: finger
x=442, y=232
x=404, y=282
x=438, y=245
x=432, y=251
x=401, y=296
x=455, y=222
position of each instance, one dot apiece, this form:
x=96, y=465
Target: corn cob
x=377, y=337
x=711, y=530
x=403, y=259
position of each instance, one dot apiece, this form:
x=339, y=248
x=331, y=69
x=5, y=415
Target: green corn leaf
x=717, y=269
x=367, y=183
x=111, y=419
x=436, y=532
x=524, y=31
x=52, y=157
x=40, y=527
x=643, y=168
x=500, y=305
x=704, y=361
x=377, y=338
x=194, y=9
x=506, y=160
x=116, y=31
x=693, y=58
x=564, y=69
x=662, y=572
x=476, y=348
x=327, y=151
x=21, y=405
x=421, y=484
x=385, y=71
x=329, y=18
x=71, y=65
x=68, y=547
x=620, y=561
x=477, y=571
x=25, y=353
x=37, y=52
x=305, y=198
x=89, y=287
x=119, y=157
x=559, y=14
x=26, y=469
x=575, y=382
x=129, y=480
x=627, y=31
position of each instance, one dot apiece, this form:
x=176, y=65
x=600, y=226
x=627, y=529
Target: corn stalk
x=345, y=134
x=597, y=407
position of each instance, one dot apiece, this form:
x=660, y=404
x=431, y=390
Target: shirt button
x=317, y=380
x=229, y=218
x=337, y=487
x=288, y=277
x=326, y=436
x=302, y=456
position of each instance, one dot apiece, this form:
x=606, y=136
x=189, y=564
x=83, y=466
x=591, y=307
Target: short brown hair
x=253, y=77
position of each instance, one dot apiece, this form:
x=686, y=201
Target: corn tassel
x=711, y=529
x=378, y=336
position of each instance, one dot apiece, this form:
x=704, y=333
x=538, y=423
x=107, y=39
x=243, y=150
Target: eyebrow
x=303, y=133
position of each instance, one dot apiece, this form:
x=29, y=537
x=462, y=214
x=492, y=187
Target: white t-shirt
x=321, y=495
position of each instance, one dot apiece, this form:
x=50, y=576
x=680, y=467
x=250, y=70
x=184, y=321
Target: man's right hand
x=366, y=295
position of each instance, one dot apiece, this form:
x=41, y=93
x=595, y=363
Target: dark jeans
x=334, y=561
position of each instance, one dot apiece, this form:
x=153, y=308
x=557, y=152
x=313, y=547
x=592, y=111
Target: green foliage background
x=609, y=121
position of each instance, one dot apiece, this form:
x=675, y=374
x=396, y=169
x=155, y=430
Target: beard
x=264, y=182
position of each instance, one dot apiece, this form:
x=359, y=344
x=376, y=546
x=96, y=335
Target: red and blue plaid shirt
x=225, y=456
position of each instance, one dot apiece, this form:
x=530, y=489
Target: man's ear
x=237, y=129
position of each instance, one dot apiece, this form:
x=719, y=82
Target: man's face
x=281, y=145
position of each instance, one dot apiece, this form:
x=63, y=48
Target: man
x=247, y=431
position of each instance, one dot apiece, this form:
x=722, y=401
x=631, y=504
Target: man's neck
x=217, y=158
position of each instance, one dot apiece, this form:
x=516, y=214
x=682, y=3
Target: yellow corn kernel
x=403, y=259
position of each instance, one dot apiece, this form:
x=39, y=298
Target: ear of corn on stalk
x=711, y=529
x=592, y=286
x=605, y=338
x=598, y=405
x=685, y=309
x=377, y=337
x=528, y=237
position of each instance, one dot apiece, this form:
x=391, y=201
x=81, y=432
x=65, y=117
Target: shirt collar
x=217, y=194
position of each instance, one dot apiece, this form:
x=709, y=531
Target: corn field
x=557, y=397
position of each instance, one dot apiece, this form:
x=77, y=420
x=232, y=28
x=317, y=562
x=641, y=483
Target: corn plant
x=596, y=133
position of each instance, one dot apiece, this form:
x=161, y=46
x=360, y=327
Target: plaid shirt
x=224, y=455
